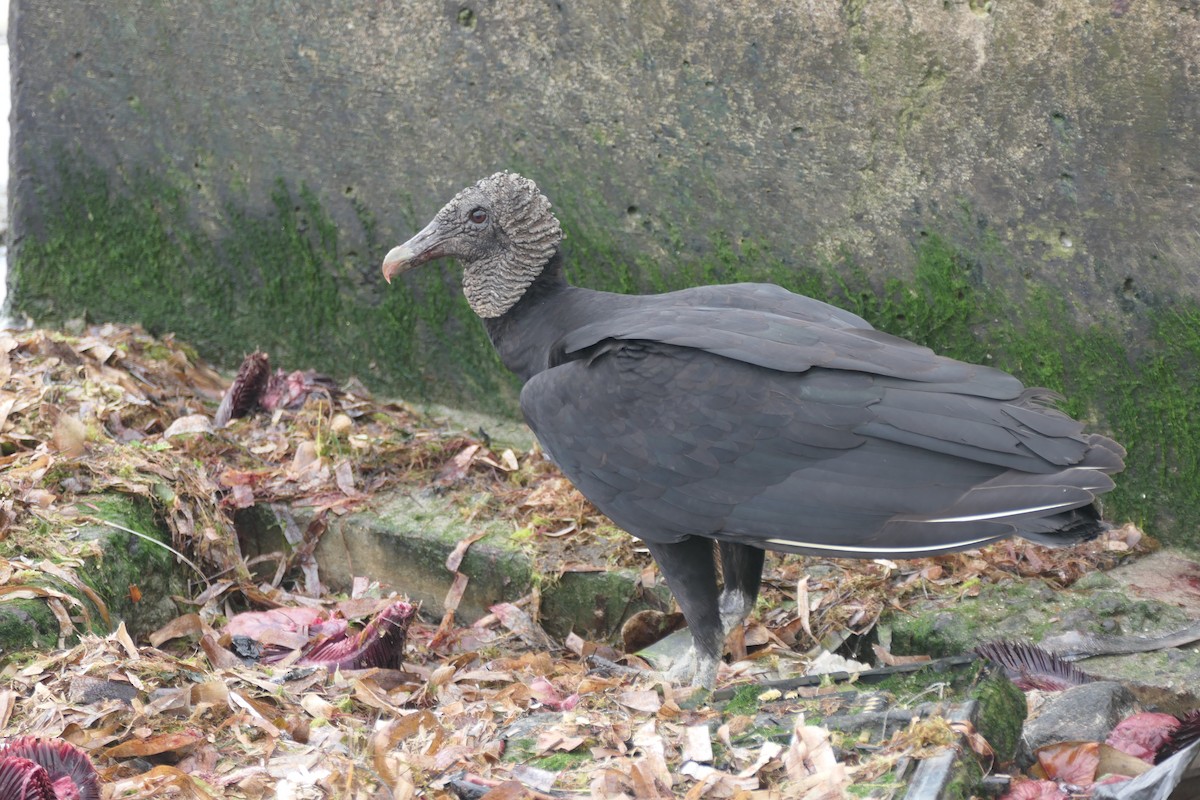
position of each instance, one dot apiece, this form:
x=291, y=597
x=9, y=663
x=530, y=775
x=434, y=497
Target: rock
x=1077, y=619
x=1000, y=713
x=406, y=540
x=1081, y=713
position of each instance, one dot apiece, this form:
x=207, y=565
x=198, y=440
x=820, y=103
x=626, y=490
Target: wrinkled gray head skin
x=502, y=232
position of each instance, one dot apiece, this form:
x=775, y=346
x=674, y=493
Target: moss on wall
x=278, y=279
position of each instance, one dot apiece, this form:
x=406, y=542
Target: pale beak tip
x=396, y=261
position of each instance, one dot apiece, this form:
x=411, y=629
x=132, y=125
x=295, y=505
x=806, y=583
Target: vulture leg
x=741, y=566
x=691, y=574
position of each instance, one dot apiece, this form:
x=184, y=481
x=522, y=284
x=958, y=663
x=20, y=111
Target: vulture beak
x=425, y=246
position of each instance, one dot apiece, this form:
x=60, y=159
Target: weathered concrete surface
x=1130, y=600
x=404, y=540
x=234, y=172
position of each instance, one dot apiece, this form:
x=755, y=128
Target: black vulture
x=757, y=418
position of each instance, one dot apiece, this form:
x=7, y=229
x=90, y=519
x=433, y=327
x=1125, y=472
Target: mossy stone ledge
x=134, y=578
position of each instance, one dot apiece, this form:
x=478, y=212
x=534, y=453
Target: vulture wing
x=789, y=343
x=820, y=436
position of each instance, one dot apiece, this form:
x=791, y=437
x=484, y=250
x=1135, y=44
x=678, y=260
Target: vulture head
x=502, y=232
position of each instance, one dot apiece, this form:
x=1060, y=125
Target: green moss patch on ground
x=1002, y=711
x=27, y=625
x=1025, y=611
x=404, y=542
x=116, y=567
x=127, y=562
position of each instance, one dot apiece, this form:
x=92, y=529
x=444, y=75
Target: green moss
x=27, y=625
x=128, y=511
x=1002, y=710
x=562, y=761
x=964, y=782
x=127, y=560
x=744, y=702
x=914, y=687
x=1144, y=398
x=596, y=604
x=519, y=749
x=886, y=785
x=124, y=561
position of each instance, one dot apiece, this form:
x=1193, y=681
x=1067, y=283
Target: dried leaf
x=1143, y=735
x=70, y=436
x=305, y=457
x=646, y=701
x=802, y=609
x=551, y=740
x=767, y=753
x=548, y=695
x=8, y=699
x=1070, y=762
x=1035, y=790
x=454, y=560
x=697, y=744
x=890, y=660
x=974, y=738
x=343, y=474
x=155, y=783
x=7, y=401
x=370, y=694
x=534, y=778
x=218, y=656
x=509, y=790
x=191, y=424
x=522, y=624
x=810, y=761
x=456, y=469
x=154, y=745
x=1118, y=762
x=652, y=768
x=73, y=580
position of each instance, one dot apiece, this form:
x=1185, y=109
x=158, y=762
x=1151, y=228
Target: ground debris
x=497, y=707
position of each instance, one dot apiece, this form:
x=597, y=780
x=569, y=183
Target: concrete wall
x=234, y=171
x=1069, y=129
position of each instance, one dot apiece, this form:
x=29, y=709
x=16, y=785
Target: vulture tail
x=1068, y=528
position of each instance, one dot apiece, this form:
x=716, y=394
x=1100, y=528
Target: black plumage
x=757, y=418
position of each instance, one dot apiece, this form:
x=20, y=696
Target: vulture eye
x=478, y=216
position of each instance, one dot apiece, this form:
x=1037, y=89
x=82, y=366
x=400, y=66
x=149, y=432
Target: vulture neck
x=526, y=334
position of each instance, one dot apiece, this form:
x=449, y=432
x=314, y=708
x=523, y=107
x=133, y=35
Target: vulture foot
x=735, y=606
x=699, y=671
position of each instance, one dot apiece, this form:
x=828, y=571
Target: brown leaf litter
x=494, y=709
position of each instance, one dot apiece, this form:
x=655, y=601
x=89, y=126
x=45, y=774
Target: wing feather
x=788, y=344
